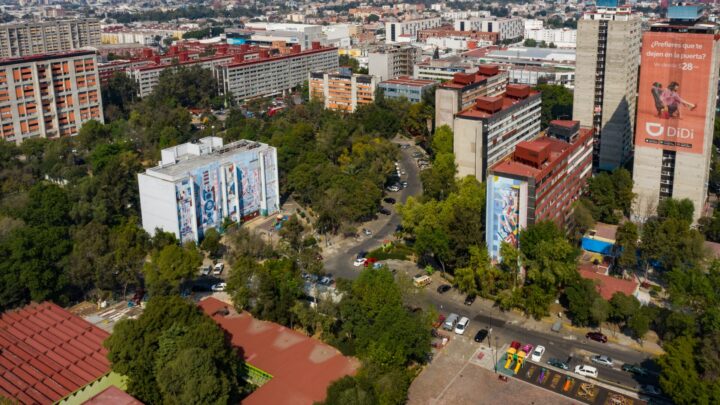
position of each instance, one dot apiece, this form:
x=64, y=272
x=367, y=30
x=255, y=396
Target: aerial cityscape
x=359, y=202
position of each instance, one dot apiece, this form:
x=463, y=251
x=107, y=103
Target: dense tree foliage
x=610, y=195
x=173, y=353
x=557, y=102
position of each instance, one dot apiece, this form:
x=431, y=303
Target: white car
x=585, y=370
x=603, y=360
x=219, y=267
x=219, y=287
x=537, y=354
x=359, y=261
x=461, y=326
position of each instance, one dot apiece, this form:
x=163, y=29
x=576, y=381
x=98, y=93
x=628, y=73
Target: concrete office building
x=442, y=69
x=676, y=111
x=302, y=34
x=608, y=54
x=507, y=28
x=406, y=31
x=488, y=131
x=48, y=95
x=270, y=75
x=539, y=181
x=391, y=61
x=32, y=38
x=197, y=186
x=341, y=90
x=461, y=92
x=408, y=87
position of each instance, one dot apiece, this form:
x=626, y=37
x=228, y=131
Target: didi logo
x=654, y=129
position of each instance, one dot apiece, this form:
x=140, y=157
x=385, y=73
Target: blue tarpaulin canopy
x=597, y=246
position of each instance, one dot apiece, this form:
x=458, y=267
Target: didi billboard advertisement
x=673, y=92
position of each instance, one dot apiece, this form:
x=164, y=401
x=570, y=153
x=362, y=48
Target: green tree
x=547, y=255
x=676, y=209
x=626, y=238
x=623, y=307
x=439, y=180
x=530, y=43
x=211, y=243
x=679, y=377
x=580, y=297
x=442, y=141
x=169, y=267
x=173, y=353
x=118, y=95
x=557, y=102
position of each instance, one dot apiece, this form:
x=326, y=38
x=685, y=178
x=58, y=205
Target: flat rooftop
x=547, y=54
x=473, y=112
x=187, y=162
x=513, y=167
x=409, y=81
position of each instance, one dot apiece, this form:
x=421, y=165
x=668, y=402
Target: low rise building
x=539, y=181
x=508, y=29
x=391, y=61
x=408, y=87
x=341, y=90
x=442, y=69
x=406, y=31
x=456, y=43
x=560, y=37
x=487, y=131
x=49, y=95
x=266, y=33
x=448, y=31
x=198, y=186
x=463, y=89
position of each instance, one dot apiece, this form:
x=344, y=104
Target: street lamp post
x=495, y=349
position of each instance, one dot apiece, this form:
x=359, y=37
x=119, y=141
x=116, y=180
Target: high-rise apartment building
x=48, y=95
x=506, y=28
x=341, y=90
x=676, y=111
x=608, y=54
x=488, y=131
x=461, y=92
x=31, y=38
x=197, y=186
x=539, y=181
x=392, y=61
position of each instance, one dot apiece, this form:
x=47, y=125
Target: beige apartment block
x=32, y=38
x=606, y=75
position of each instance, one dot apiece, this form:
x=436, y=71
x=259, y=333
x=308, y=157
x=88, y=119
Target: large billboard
x=503, y=213
x=673, y=93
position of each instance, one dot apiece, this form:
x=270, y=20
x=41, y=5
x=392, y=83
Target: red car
x=369, y=261
x=596, y=336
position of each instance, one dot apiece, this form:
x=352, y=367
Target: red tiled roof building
x=47, y=353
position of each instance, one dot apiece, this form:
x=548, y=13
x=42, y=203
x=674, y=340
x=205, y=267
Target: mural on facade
x=249, y=173
x=231, y=191
x=503, y=207
x=210, y=208
x=186, y=211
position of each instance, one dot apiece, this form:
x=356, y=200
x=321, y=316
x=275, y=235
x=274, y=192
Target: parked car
x=393, y=188
x=367, y=232
x=404, y=184
x=596, y=336
x=219, y=287
x=470, y=299
x=634, y=369
x=384, y=211
x=450, y=321
x=327, y=280
x=462, y=325
x=481, y=335
x=443, y=288
x=557, y=363
x=417, y=155
x=404, y=146
x=370, y=261
x=205, y=270
x=537, y=354
x=585, y=370
x=389, y=200
x=359, y=261
x=219, y=267
x=603, y=360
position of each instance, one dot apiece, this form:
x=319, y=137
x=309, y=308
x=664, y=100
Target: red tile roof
x=112, y=395
x=608, y=285
x=302, y=367
x=47, y=353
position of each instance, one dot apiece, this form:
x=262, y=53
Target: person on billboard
x=657, y=91
x=672, y=100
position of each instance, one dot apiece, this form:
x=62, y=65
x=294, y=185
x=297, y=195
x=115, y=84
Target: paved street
x=507, y=327
x=339, y=258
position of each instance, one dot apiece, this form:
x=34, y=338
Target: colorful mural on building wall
x=210, y=201
x=231, y=191
x=186, y=210
x=503, y=207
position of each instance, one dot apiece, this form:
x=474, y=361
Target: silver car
x=602, y=360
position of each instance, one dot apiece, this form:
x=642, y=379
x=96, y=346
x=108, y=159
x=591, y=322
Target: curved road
x=340, y=263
